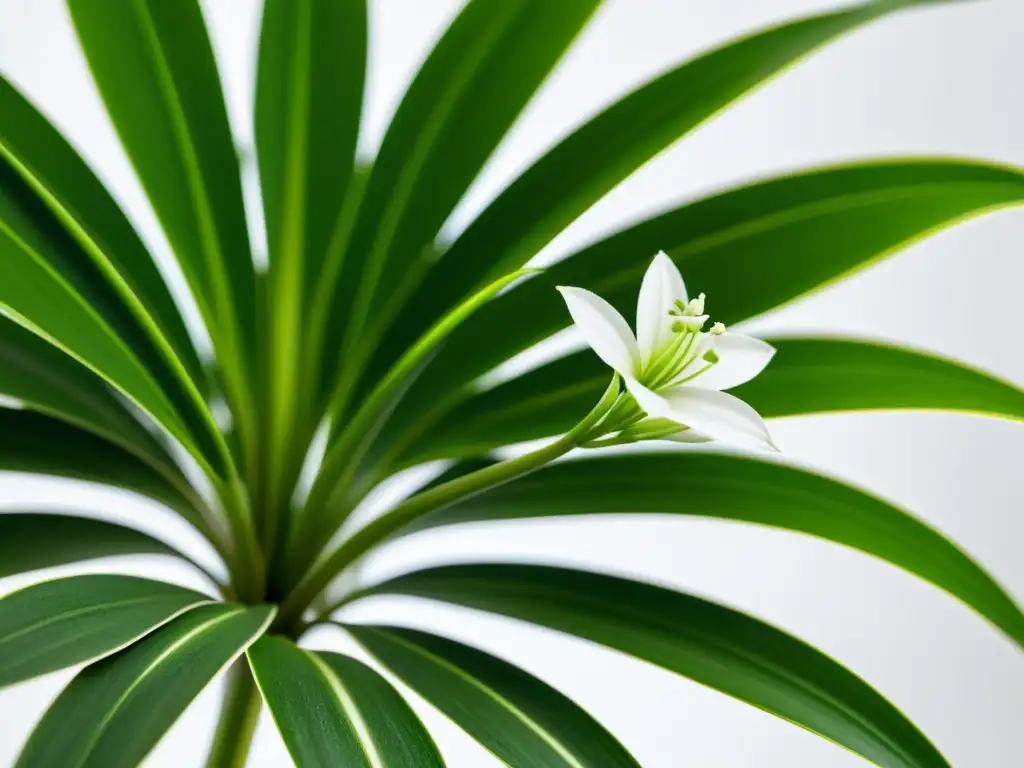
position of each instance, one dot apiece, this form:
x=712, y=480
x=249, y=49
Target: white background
x=943, y=80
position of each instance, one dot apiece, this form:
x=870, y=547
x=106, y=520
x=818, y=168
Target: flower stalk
x=291, y=613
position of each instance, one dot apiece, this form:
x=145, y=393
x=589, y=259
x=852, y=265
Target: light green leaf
x=590, y=162
x=33, y=540
x=519, y=718
x=332, y=710
x=61, y=623
x=813, y=375
x=750, y=249
x=55, y=290
x=729, y=487
x=45, y=160
x=155, y=70
x=309, y=94
x=464, y=98
x=49, y=381
x=115, y=711
x=37, y=444
x=709, y=643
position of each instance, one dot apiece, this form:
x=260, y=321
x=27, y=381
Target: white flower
x=674, y=370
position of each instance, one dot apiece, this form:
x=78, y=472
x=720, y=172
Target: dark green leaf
x=586, y=165
x=465, y=97
x=308, y=101
x=33, y=540
x=709, y=643
x=806, y=376
x=522, y=720
x=61, y=623
x=734, y=488
x=34, y=443
x=52, y=287
x=49, y=381
x=750, y=249
x=71, y=190
x=155, y=70
x=115, y=711
x=332, y=710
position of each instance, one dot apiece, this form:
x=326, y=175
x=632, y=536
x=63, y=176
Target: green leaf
x=519, y=718
x=45, y=160
x=709, y=643
x=309, y=95
x=115, y=711
x=52, y=287
x=155, y=70
x=463, y=100
x=820, y=375
x=30, y=541
x=729, y=487
x=805, y=376
x=46, y=380
x=750, y=249
x=332, y=710
x=61, y=623
x=589, y=163
x=37, y=444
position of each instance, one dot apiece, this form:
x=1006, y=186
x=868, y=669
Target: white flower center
x=689, y=353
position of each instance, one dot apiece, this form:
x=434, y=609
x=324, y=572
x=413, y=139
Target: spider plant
x=359, y=353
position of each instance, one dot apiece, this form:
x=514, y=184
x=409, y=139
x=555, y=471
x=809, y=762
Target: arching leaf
x=33, y=540
x=709, y=643
x=47, y=380
x=604, y=151
x=730, y=487
x=806, y=376
x=750, y=249
x=61, y=623
x=519, y=718
x=60, y=177
x=115, y=711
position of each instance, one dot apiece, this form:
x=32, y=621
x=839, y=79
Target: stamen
x=696, y=306
x=718, y=329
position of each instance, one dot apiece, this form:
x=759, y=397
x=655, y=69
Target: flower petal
x=717, y=415
x=604, y=329
x=661, y=287
x=740, y=358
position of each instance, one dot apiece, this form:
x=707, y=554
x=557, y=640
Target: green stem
x=290, y=614
x=239, y=712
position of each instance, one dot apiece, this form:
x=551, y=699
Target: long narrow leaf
x=519, y=718
x=69, y=187
x=115, y=711
x=465, y=97
x=61, y=623
x=155, y=70
x=586, y=165
x=750, y=249
x=734, y=488
x=53, y=288
x=332, y=710
x=45, y=379
x=806, y=376
x=33, y=540
x=308, y=103
x=709, y=643
x=37, y=444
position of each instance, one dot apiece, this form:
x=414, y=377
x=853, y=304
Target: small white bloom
x=675, y=371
